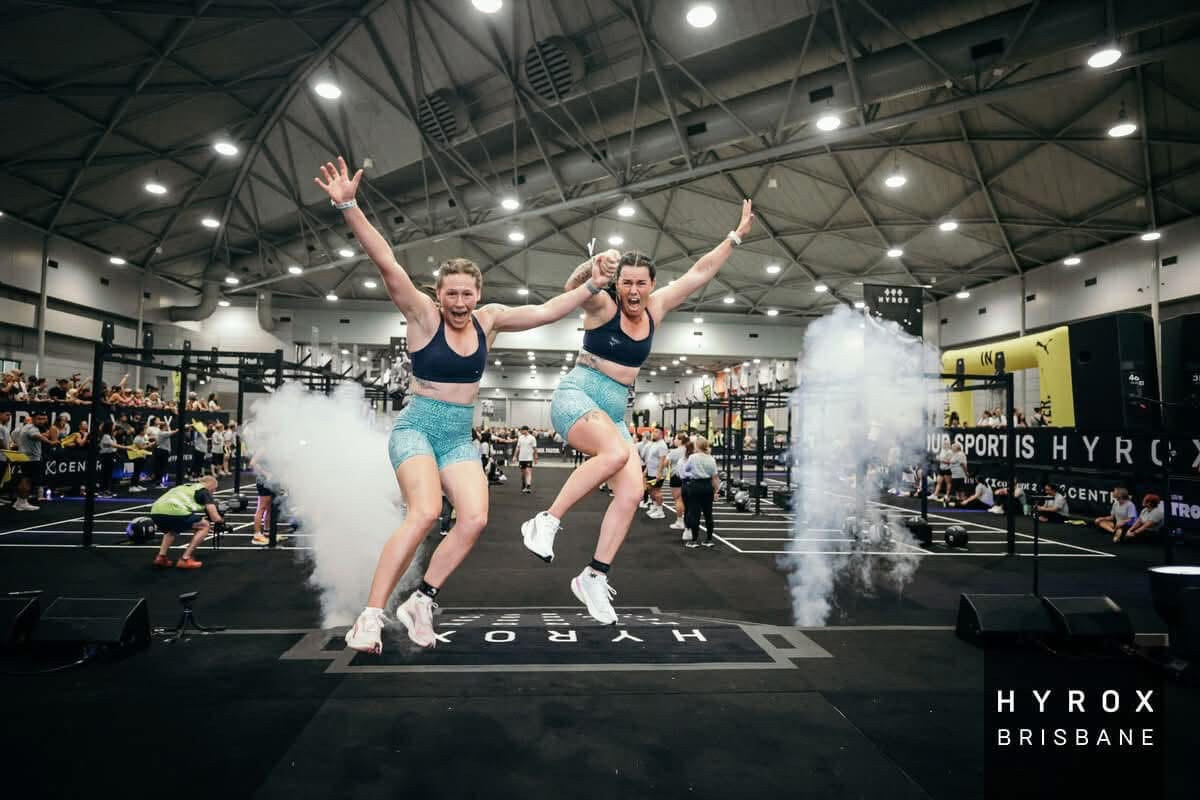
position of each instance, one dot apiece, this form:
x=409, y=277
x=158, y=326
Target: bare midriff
x=618, y=372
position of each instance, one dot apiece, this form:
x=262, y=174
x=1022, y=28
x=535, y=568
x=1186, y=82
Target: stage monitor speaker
x=1090, y=620
x=122, y=623
x=991, y=619
x=1112, y=360
x=1181, y=371
x=18, y=618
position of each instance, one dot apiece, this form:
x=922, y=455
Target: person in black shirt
x=58, y=392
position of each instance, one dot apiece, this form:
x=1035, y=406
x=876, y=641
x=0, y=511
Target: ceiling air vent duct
x=442, y=115
x=553, y=67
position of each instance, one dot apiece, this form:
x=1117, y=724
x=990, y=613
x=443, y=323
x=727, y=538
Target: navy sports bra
x=438, y=362
x=610, y=342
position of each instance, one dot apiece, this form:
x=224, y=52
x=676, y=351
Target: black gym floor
x=715, y=695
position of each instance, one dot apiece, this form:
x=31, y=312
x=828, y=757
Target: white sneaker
x=591, y=588
x=655, y=512
x=538, y=535
x=996, y=510
x=643, y=504
x=24, y=505
x=416, y=613
x=677, y=525
x=366, y=634
x=687, y=535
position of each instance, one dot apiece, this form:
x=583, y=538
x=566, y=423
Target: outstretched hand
x=338, y=184
x=747, y=219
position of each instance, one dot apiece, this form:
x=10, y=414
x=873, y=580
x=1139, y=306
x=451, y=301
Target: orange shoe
x=163, y=561
x=188, y=563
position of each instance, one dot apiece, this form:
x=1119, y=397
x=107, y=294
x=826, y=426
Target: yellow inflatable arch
x=1048, y=351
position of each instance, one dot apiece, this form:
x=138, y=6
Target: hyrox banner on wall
x=1068, y=448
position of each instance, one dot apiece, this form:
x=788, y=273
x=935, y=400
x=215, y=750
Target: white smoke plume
x=331, y=460
x=860, y=410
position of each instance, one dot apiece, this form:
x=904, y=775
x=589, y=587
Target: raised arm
x=522, y=318
x=341, y=189
x=704, y=270
x=584, y=271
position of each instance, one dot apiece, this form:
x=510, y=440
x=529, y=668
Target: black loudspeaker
x=18, y=618
x=1181, y=371
x=1090, y=620
x=1175, y=591
x=147, y=342
x=990, y=619
x=120, y=623
x=1112, y=360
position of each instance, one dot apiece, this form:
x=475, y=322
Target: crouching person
x=188, y=507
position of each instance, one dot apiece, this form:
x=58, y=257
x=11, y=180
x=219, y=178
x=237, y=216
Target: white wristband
x=733, y=237
x=351, y=203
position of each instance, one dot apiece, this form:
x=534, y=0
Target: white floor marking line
x=1043, y=539
x=98, y=514
x=249, y=548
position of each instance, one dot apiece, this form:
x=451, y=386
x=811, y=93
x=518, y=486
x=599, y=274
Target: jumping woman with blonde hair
x=430, y=446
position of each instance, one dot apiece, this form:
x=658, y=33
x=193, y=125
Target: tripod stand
x=187, y=619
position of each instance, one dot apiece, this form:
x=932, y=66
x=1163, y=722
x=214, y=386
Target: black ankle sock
x=600, y=566
x=426, y=589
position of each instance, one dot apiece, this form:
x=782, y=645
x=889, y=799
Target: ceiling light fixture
x=820, y=288
x=1123, y=126
x=331, y=297
x=362, y=358
x=728, y=299
x=496, y=362
x=154, y=187
x=859, y=304
x=701, y=15
x=510, y=202
x=697, y=320
x=683, y=358
x=774, y=269
x=223, y=303
x=895, y=180
x=829, y=122
x=345, y=352
x=1151, y=236
x=894, y=252
x=616, y=240
x=687, y=372
x=328, y=89
x=488, y=6
x=295, y=270
x=516, y=236
x=772, y=312
x=225, y=148
x=117, y=260
x=522, y=291
x=626, y=210
x=948, y=225
x=346, y=252
x=210, y=222
x=232, y=280
x=1104, y=57
x=369, y=284
x=962, y=294
x=1071, y=261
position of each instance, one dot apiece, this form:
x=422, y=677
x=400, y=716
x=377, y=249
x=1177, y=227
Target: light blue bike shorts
x=428, y=427
x=583, y=390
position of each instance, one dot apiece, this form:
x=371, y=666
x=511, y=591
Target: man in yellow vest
x=189, y=506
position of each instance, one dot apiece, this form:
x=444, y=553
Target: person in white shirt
x=642, y=444
x=983, y=498
x=526, y=458
x=1054, y=509
x=655, y=458
x=941, y=488
x=1122, y=514
x=958, y=471
x=675, y=458
x=1150, y=520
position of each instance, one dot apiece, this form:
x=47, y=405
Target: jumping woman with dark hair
x=588, y=408
x=430, y=447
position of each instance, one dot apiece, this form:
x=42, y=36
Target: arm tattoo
x=581, y=274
